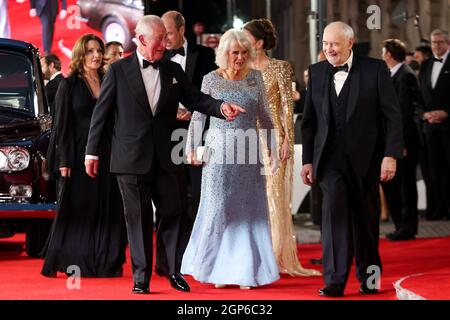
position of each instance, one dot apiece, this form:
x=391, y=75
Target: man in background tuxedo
x=51, y=69
x=401, y=192
x=197, y=61
x=143, y=91
x=352, y=136
x=435, y=84
x=47, y=10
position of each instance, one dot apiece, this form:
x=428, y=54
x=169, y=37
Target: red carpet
x=29, y=29
x=20, y=278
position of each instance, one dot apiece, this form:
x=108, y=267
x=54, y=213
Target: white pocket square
x=174, y=81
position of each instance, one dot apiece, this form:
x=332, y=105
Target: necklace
x=232, y=75
x=93, y=79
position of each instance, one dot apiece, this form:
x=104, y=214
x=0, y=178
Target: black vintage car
x=116, y=19
x=27, y=196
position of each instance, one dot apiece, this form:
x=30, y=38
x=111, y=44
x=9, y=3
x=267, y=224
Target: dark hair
x=414, y=65
x=79, y=52
x=263, y=29
x=425, y=50
x=396, y=48
x=113, y=43
x=53, y=58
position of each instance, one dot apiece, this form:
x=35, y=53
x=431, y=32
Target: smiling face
x=175, y=37
x=94, y=56
x=336, y=46
x=114, y=53
x=152, y=48
x=439, y=45
x=237, y=56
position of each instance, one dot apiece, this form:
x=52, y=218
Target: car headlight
x=138, y=4
x=14, y=159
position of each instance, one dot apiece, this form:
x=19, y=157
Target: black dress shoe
x=363, y=289
x=179, y=283
x=400, y=236
x=141, y=288
x=316, y=261
x=332, y=291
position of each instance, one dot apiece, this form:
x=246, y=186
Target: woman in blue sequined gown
x=230, y=242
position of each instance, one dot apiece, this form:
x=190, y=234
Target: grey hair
x=145, y=25
x=225, y=43
x=439, y=32
x=346, y=30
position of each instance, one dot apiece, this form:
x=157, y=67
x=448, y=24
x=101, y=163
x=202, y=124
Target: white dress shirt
x=152, y=82
x=437, y=68
x=395, y=69
x=341, y=76
x=181, y=60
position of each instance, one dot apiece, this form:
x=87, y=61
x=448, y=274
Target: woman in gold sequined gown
x=277, y=76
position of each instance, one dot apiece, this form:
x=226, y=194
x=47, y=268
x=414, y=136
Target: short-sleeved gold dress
x=278, y=82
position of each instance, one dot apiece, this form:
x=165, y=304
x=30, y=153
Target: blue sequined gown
x=230, y=241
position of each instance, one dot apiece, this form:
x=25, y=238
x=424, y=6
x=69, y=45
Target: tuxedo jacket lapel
x=445, y=68
x=428, y=74
x=326, y=84
x=191, y=60
x=354, y=77
x=166, y=80
x=135, y=82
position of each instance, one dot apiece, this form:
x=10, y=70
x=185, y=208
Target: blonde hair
x=225, y=43
x=79, y=51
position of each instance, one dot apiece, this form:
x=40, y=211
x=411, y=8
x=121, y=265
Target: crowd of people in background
x=223, y=224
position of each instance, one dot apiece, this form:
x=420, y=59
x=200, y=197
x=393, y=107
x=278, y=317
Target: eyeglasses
x=439, y=42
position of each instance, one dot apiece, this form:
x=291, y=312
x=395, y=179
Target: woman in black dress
x=89, y=230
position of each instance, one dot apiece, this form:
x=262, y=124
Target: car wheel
x=36, y=237
x=115, y=30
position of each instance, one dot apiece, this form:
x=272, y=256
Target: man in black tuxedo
x=47, y=10
x=51, y=69
x=351, y=127
x=401, y=192
x=435, y=84
x=143, y=91
x=197, y=61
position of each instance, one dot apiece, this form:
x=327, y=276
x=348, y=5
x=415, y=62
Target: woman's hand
x=192, y=159
x=65, y=172
x=285, y=152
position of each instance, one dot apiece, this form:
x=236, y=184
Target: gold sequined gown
x=278, y=82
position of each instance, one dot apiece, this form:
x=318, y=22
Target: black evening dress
x=89, y=229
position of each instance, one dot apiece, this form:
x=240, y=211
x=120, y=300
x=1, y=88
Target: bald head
x=338, y=40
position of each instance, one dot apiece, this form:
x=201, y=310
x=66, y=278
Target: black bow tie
x=438, y=60
x=335, y=70
x=179, y=51
x=146, y=64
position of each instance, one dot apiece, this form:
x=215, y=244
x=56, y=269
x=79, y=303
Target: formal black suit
x=50, y=91
x=141, y=157
x=345, y=138
x=47, y=10
x=200, y=61
x=401, y=192
x=437, y=137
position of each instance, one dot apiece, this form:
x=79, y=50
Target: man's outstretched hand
x=231, y=111
x=91, y=167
